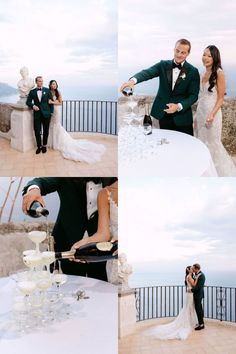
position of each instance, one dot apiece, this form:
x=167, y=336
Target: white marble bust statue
x=124, y=271
x=25, y=84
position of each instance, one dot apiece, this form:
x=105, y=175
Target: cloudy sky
x=149, y=29
x=72, y=41
x=175, y=222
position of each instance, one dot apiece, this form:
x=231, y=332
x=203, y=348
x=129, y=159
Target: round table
x=94, y=330
x=164, y=153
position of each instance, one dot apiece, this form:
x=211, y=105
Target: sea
x=145, y=275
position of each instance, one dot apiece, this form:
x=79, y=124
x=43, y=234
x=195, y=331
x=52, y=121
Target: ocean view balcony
x=158, y=305
x=95, y=121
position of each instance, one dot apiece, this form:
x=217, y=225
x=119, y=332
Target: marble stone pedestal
x=22, y=132
x=127, y=312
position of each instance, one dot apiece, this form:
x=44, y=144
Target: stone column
x=127, y=312
x=22, y=132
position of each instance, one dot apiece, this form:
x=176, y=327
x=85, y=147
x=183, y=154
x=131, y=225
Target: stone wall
x=228, y=110
x=14, y=240
x=5, y=117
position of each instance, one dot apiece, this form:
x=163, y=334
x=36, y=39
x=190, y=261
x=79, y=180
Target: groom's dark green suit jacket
x=46, y=109
x=185, y=91
x=198, y=290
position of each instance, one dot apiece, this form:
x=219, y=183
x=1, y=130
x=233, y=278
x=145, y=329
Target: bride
x=107, y=226
x=184, y=323
x=209, y=116
x=59, y=139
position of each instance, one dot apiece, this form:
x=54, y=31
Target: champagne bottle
x=92, y=252
x=127, y=91
x=147, y=122
x=36, y=210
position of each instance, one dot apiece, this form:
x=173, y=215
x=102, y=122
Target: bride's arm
x=220, y=86
x=58, y=101
x=103, y=231
x=190, y=280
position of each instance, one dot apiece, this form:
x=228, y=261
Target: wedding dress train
x=211, y=136
x=72, y=149
x=183, y=324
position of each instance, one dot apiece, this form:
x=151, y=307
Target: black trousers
x=91, y=270
x=39, y=122
x=167, y=122
x=199, y=309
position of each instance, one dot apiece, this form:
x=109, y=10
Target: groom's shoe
x=200, y=327
x=38, y=150
x=44, y=149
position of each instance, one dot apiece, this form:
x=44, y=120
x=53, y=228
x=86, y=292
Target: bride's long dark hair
x=187, y=270
x=215, y=53
x=56, y=89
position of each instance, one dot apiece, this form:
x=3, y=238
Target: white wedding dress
x=112, y=265
x=183, y=324
x=211, y=136
x=72, y=149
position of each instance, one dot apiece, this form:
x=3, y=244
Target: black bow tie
x=174, y=65
x=39, y=89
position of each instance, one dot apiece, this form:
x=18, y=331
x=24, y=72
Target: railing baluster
x=219, y=303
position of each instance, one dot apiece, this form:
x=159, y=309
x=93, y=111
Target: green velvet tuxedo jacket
x=186, y=90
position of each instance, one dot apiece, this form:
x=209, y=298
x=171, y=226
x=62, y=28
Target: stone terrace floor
x=15, y=163
x=216, y=338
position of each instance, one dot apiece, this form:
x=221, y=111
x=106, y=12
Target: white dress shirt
x=39, y=93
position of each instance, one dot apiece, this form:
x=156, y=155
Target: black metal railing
x=90, y=116
x=166, y=301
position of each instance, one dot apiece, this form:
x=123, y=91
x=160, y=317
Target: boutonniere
x=183, y=76
x=44, y=92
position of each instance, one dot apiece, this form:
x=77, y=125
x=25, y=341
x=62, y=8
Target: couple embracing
x=191, y=315
x=45, y=103
x=180, y=86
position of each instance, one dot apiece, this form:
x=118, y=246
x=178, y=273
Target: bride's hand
x=209, y=119
x=50, y=101
x=75, y=247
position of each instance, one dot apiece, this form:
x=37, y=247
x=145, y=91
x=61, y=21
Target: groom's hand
x=35, y=108
x=129, y=83
x=30, y=197
x=172, y=108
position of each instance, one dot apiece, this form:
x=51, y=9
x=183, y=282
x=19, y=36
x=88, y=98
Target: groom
x=178, y=89
x=198, y=295
x=37, y=100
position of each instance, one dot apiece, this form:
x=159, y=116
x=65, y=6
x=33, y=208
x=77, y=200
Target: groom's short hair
x=184, y=42
x=38, y=77
x=197, y=266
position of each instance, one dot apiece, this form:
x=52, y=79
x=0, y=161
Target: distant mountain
x=6, y=90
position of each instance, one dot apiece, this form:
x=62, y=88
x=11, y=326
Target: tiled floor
x=217, y=338
x=15, y=163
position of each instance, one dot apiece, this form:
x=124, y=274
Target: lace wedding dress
x=72, y=149
x=183, y=324
x=112, y=265
x=211, y=136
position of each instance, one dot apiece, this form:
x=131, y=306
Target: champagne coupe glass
x=48, y=258
x=33, y=261
x=69, y=300
x=130, y=116
x=27, y=288
x=37, y=237
x=59, y=279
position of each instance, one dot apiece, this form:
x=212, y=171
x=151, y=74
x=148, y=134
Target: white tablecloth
x=93, y=331
x=183, y=156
